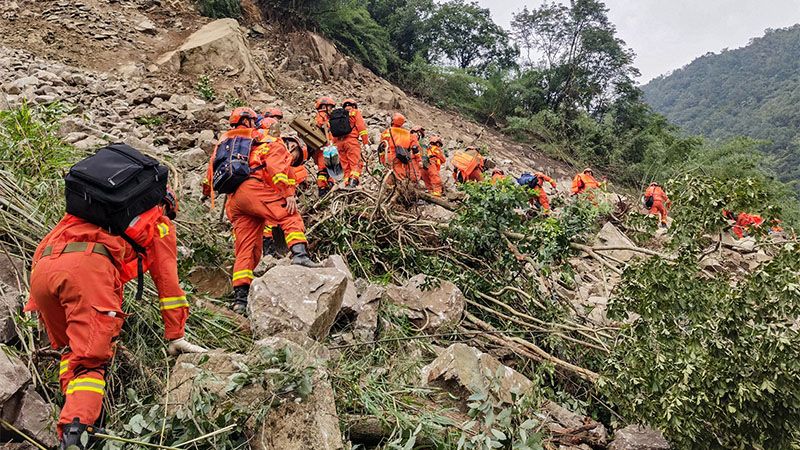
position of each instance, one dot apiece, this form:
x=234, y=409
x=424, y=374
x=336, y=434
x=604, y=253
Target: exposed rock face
x=320, y=59
x=14, y=374
x=218, y=46
x=463, y=368
x=428, y=305
x=636, y=437
x=28, y=412
x=295, y=298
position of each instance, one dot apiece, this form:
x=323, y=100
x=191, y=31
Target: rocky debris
x=192, y=159
x=14, y=374
x=218, y=47
x=436, y=213
x=611, y=236
x=10, y=303
x=29, y=413
x=206, y=372
x=430, y=303
x=295, y=298
x=206, y=141
x=637, y=437
x=561, y=421
x=318, y=57
x=462, y=370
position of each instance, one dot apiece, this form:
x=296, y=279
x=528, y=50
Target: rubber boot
x=300, y=257
x=239, y=304
x=353, y=183
x=323, y=191
x=269, y=246
x=75, y=436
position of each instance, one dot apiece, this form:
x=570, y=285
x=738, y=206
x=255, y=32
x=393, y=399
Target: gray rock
x=192, y=159
x=29, y=413
x=611, y=236
x=14, y=374
x=90, y=143
x=146, y=26
x=10, y=303
x=20, y=85
x=296, y=298
x=206, y=141
x=430, y=303
x=637, y=437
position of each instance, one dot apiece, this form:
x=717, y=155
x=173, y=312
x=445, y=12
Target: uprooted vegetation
x=705, y=352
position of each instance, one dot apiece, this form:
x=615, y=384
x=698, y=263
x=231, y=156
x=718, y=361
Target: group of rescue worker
x=79, y=269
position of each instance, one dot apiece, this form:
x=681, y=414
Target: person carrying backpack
x=80, y=268
x=540, y=194
x=468, y=165
x=398, y=143
x=349, y=135
x=658, y=202
x=584, y=182
x=433, y=159
x=265, y=196
x=323, y=107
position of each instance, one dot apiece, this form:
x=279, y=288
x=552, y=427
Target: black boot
x=239, y=304
x=353, y=183
x=323, y=191
x=269, y=247
x=75, y=436
x=300, y=257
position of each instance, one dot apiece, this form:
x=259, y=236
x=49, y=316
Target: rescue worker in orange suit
x=269, y=247
x=660, y=203
x=418, y=152
x=323, y=106
x=743, y=222
x=468, y=165
x=541, y=195
x=432, y=160
x=266, y=197
x=398, y=144
x=497, y=176
x=584, y=182
x=350, y=146
x=79, y=271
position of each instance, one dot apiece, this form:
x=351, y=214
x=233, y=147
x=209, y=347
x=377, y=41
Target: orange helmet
x=436, y=140
x=419, y=130
x=240, y=114
x=349, y=102
x=271, y=126
x=274, y=113
x=398, y=120
x=324, y=101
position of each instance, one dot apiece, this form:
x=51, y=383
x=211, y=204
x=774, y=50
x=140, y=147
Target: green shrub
x=218, y=9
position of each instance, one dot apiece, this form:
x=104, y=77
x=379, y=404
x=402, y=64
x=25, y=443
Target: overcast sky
x=668, y=34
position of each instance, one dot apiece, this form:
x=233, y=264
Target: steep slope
x=751, y=91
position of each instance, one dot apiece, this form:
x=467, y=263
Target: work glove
x=181, y=345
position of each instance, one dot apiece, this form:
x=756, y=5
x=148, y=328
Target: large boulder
x=430, y=303
x=318, y=58
x=359, y=311
x=296, y=298
x=29, y=413
x=461, y=370
x=14, y=374
x=218, y=46
x=611, y=236
x=637, y=437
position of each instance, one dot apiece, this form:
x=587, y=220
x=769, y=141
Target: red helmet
x=349, y=102
x=271, y=126
x=436, y=140
x=324, y=101
x=238, y=115
x=419, y=130
x=398, y=120
x=170, y=202
x=274, y=113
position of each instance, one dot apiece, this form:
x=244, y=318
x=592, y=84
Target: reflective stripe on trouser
x=268, y=231
x=249, y=209
x=168, y=303
x=79, y=298
x=350, y=153
x=432, y=180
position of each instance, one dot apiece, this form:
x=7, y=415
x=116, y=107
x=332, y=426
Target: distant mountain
x=751, y=91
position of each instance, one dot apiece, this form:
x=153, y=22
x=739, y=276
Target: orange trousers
x=249, y=208
x=475, y=175
x=659, y=209
x=542, y=199
x=350, y=156
x=79, y=297
x=411, y=171
x=432, y=180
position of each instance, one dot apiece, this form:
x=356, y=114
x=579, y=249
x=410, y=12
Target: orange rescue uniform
x=431, y=176
x=661, y=203
x=324, y=181
x=583, y=182
x=77, y=280
x=744, y=222
x=350, y=146
x=261, y=200
x=468, y=166
x=400, y=137
x=541, y=195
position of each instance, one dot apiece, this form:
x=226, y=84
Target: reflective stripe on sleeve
x=163, y=229
x=63, y=367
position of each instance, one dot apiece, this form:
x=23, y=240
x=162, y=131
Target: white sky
x=668, y=34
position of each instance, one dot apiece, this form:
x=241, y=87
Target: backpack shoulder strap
x=140, y=252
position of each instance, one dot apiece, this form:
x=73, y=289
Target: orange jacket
x=436, y=156
x=582, y=182
x=744, y=222
x=154, y=231
x=544, y=179
x=324, y=122
x=277, y=173
x=359, y=129
x=658, y=194
x=497, y=177
x=468, y=162
x=394, y=137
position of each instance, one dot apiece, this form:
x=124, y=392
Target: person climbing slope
x=349, y=134
x=584, y=182
x=657, y=202
x=432, y=161
x=468, y=165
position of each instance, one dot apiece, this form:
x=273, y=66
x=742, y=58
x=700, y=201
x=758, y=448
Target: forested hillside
x=751, y=91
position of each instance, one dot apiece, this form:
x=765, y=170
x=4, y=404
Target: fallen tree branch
x=588, y=250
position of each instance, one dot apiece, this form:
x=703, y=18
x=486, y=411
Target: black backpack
x=112, y=187
x=340, y=122
x=648, y=201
